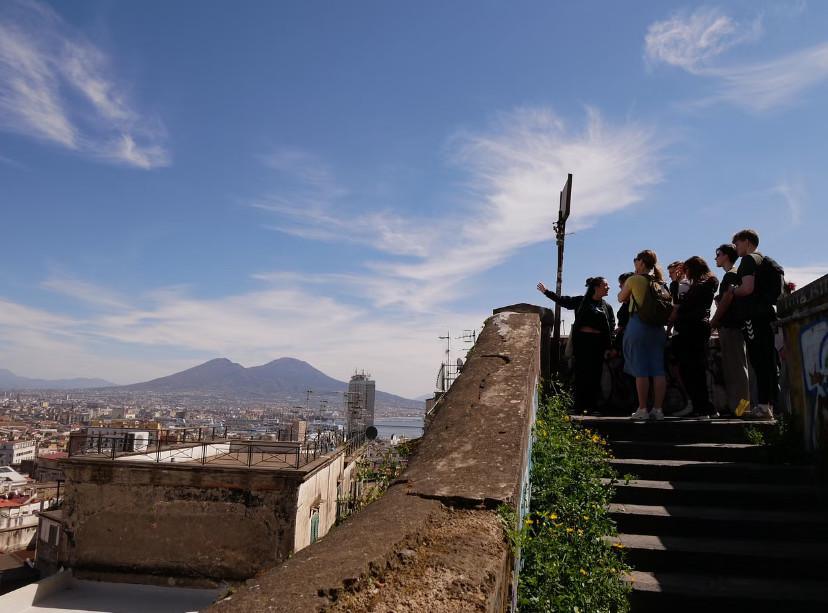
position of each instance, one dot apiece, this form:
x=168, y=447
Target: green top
x=638, y=285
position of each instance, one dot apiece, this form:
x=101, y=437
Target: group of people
x=654, y=313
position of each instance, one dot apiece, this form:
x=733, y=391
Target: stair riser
x=725, y=565
x=738, y=500
x=718, y=474
x=654, y=602
x=702, y=454
x=685, y=432
x=734, y=528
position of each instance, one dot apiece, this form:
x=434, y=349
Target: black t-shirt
x=748, y=266
x=734, y=317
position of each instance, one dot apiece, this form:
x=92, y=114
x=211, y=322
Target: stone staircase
x=710, y=525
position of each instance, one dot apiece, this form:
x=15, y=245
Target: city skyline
x=342, y=184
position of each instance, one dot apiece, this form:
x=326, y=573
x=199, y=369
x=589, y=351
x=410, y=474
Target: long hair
x=650, y=260
x=697, y=269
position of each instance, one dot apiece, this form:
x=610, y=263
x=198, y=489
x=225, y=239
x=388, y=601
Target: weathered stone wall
x=194, y=524
x=434, y=542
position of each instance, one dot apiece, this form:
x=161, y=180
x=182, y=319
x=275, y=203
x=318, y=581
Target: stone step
x=700, y=493
x=724, y=557
x=714, y=472
x=674, y=429
x=690, y=593
x=709, y=452
x=766, y=525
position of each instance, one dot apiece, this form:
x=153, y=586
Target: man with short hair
x=729, y=321
x=758, y=325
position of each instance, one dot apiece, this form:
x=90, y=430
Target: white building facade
x=12, y=453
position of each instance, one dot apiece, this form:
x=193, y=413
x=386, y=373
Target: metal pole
x=560, y=236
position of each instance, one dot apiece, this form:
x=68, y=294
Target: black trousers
x=761, y=352
x=690, y=350
x=588, y=351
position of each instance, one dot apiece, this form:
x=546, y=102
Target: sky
x=345, y=182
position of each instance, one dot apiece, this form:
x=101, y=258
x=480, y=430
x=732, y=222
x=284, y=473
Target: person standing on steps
x=644, y=341
x=592, y=338
x=753, y=295
x=729, y=321
x=692, y=325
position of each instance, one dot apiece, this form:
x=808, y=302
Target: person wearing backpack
x=592, y=338
x=729, y=321
x=691, y=340
x=644, y=336
x=761, y=281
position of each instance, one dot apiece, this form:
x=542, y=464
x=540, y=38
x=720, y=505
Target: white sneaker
x=761, y=411
x=657, y=414
x=688, y=410
x=641, y=415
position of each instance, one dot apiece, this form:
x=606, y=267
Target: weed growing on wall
x=567, y=564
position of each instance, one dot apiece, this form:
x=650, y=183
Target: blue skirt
x=644, y=348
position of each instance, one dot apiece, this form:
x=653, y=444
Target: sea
x=409, y=427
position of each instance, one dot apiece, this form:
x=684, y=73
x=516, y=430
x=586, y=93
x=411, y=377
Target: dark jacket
x=597, y=315
x=694, y=309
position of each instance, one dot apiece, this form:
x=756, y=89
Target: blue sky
x=344, y=182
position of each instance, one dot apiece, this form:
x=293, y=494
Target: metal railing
x=207, y=447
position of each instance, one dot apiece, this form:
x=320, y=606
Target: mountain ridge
x=11, y=382
x=281, y=376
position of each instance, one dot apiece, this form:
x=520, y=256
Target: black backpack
x=770, y=280
x=658, y=304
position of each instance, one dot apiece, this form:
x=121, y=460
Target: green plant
x=783, y=441
x=567, y=563
x=754, y=435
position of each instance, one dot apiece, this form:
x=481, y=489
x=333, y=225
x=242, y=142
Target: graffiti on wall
x=813, y=342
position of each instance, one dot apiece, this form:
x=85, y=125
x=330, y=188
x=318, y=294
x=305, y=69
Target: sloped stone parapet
x=434, y=541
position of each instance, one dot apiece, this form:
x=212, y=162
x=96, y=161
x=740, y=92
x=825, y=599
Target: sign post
x=560, y=233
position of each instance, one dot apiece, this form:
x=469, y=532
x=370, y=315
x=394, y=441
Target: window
x=53, y=535
x=314, y=525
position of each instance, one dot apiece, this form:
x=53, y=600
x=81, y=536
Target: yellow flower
x=553, y=516
x=580, y=532
x=570, y=530
x=566, y=418
x=586, y=517
x=583, y=572
x=618, y=545
x=529, y=522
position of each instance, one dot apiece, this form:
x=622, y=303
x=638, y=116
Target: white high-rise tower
x=360, y=402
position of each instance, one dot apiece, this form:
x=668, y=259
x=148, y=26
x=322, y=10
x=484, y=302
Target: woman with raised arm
x=591, y=337
x=644, y=342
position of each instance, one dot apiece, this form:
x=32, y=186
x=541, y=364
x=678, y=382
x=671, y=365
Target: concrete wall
x=434, y=541
x=194, y=524
x=804, y=322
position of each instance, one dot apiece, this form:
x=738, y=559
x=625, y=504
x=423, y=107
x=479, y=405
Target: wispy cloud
x=513, y=170
x=692, y=40
x=763, y=86
x=56, y=86
x=695, y=41
x=803, y=275
x=84, y=291
x=793, y=194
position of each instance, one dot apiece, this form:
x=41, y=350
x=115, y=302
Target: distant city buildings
x=16, y=452
x=360, y=402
